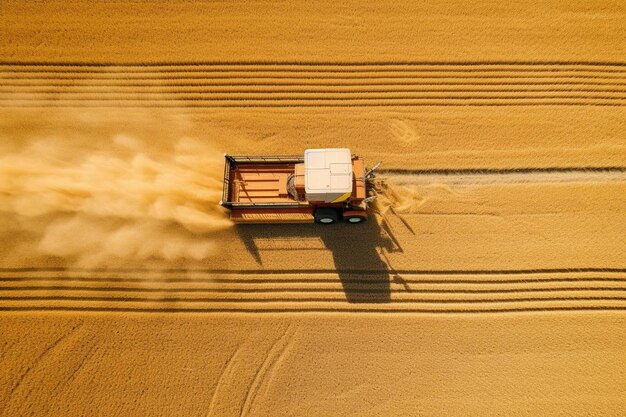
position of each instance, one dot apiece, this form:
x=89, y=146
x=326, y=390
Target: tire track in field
x=203, y=292
x=166, y=271
x=589, y=170
x=473, y=177
x=311, y=84
x=288, y=310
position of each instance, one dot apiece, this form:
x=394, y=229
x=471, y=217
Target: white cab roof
x=327, y=171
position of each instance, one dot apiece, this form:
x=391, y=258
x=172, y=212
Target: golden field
x=490, y=281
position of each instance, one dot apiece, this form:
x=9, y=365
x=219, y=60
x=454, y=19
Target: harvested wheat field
x=490, y=279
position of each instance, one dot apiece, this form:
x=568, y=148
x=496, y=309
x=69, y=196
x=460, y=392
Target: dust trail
x=110, y=199
x=398, y=198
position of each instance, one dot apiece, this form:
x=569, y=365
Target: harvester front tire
x=326, y=216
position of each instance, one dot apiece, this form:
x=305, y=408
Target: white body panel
x=327, y=174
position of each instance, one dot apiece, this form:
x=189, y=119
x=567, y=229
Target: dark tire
x=326, y=216
x=355, y=219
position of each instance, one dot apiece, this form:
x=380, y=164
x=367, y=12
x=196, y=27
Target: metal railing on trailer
x=265, y=159
x=245, y=159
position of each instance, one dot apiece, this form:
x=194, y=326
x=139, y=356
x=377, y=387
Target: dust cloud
x=397, y=198
x=111, y=199
x=409, y=194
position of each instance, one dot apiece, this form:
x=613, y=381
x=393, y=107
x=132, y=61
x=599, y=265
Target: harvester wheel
x=326, y=216
x=355, y=219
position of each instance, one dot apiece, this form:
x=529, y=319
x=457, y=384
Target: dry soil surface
x=490, y=280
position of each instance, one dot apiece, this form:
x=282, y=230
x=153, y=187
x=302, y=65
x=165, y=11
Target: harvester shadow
x=356, y=250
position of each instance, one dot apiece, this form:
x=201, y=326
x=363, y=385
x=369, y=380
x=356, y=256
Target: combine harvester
x=325, y=186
